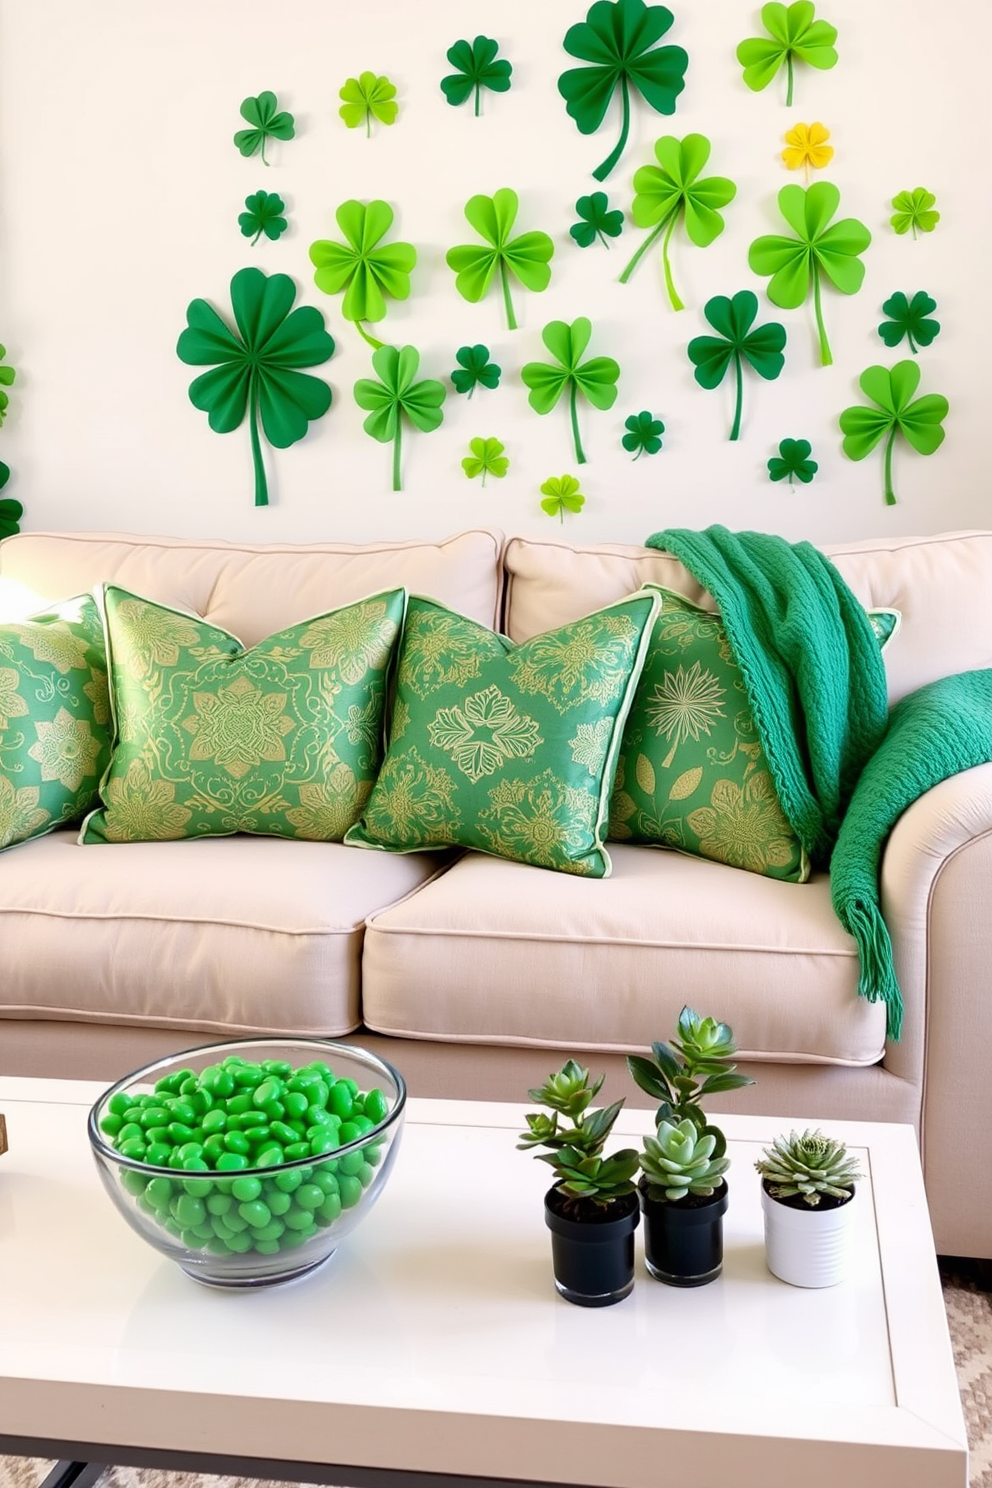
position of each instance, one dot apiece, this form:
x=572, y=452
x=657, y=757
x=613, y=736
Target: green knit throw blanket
x=810, y=661
x=935, y=732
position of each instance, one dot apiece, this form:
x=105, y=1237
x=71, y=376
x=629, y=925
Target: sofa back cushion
x=940, y=584
x=251, y=589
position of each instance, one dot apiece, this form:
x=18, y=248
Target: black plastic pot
x=593, y=1256
x=683, y=1241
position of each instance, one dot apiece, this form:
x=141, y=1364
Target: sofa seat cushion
x=234, y=935
x=500, y=952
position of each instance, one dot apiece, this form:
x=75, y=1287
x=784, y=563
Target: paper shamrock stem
x=894, y=413
x=397, y=395
x=672, y=191
x=255, y=369
x=596, y=378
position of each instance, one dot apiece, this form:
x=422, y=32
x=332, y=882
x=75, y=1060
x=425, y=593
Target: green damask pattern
x=54, y=719
x=283, y=740
x=507, y=749
x=692, y=773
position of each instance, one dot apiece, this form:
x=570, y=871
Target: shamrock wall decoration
x=561, y=494
x=475, y=370
x=7, y=375
x=526, y=257
x=11, y=511
x=477, y=67
x=617, y=38
x=806, y=148
x=736, y=343
x=254, y=369
x=368, y=97
x=263, y=214
x=595, y=379
x=793, y=460
x=597, y=220
x=643, y=435
x=364, y=270
x=817, y=251
x=262, y=113
x=914, y=211
x=793, y=36
x=909, y=318
x=397, y=395
x=891, y=390
x=487, y=458
x=670, y=191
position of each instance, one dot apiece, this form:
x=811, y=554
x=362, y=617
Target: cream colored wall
x=120, y=189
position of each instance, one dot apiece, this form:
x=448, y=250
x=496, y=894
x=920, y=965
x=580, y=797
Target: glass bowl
x=209, y=1174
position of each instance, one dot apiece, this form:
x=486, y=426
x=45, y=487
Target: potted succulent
x=683, y=1192
x=807, y=1188
x=591, y=1209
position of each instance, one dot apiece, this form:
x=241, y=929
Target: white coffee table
x=433, y=1346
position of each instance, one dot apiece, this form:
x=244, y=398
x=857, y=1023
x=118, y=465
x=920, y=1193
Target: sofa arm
x=936, y=886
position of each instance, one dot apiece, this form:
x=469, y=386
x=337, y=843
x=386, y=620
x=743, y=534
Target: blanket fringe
x=877, y=981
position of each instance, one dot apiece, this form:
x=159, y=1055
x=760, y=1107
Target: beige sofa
x=475, y=975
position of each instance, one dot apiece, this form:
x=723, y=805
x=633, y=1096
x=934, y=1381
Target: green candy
x=246, y=1189
x=256, y=1214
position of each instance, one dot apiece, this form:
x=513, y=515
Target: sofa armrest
x=936, y=886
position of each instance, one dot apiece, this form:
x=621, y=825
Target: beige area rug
x=969, y=1315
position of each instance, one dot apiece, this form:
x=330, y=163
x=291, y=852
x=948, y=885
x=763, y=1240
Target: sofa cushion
x=692, y=773
x=54, y=719
x=498, y=952
x=232, y=935
x=507, y=749
x=283, y=739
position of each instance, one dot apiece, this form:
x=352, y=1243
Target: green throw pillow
x=507, y=749
x=54, y=719
x=692, y=772
x=210, y=739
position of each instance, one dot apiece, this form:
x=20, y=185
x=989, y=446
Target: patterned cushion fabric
x=508, y=749
x=54, y=719
x=692, y=772
x=284, y=739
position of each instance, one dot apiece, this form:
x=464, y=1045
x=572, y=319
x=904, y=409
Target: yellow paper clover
x=807, y=146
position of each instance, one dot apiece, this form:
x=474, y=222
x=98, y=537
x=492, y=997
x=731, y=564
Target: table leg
x=74, y=1475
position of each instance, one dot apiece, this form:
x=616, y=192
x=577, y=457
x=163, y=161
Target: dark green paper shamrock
x=11, y=511
x=267, y=123
x=909, y=318
x=891, y=390
x=597, y=220
x=264, y=214
x=478, y=68
x=475, y=369
x=792, y=33
x=397, y=394
x=736, y=342
x=616, y=39
x=596, y=378
x=793, y=460
x=253, y=369
x=914, y=209
x=645, y=434
x=7, y=375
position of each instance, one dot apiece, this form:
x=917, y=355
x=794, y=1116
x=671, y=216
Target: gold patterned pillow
x=284, y=739
x=54, y=719
x=507, y=749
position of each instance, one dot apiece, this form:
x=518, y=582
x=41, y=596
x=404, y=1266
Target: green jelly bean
x=201, y=1101
x=373, y=1153
x=230, y=1162
x=180, y=1132
x=318, y=1092
x=239, y=1243
x=256, y=1214
x=174, y=1229
x=296, y=1104
x=278, y=1201
x=213, y=1147
x=253, y=1118
x=350, y=1163
x=217, y=1204
x=326, y=1181
x=299, y=1219
x=295, y=1150
x=351, y=1191
x=348, y=1132
x=236, y=1142
x=130, y=1131
x=188, y=1210
x=218, y=1245
x=259, y=1135
x=153, y=1116
x=271, y=1231
x=283, y=1133
x=175, y=1161
x=214, y=1121
x=219, y=1081
x=280, y=1067
x=363, y=1123
x=246, y=1189
x=247, y=1074
x=146, y=1206
x=317, y=1116
x=200, y=1188
x=133, y=1182
x=191, y=1239
x=270, y=1157
x=323, y=1069
x=323, y=1141
x=234, y=1221
x=271, y=1088
x=191, y=1082
x=290, y=1181
x=136, y=1148
x=309, y=1195
x=340, y=1100
x=190, y=1150
x=274, y=1110
x=365, y=1175
x=329, y=1210
x=238, y=1104
x=111, y=1125
x=169, y=1084
x=181, y=1110
x=119, y=1104
x=376, y=1106
x=160, y=1191
x=267, y=1247
x=158, y=1154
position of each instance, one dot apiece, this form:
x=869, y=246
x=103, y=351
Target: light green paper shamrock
x=267, y=123
x=561, y=494
x=364, y=270
x=264, y=214
x=816, y=251
x=7, y=375
x=395, y=395
x=596, y=379
x=672, y=190
x=527, y=257
x=914, y=209
x=891, y=391
x=368, y=97
x=487, y=458
x=253, y=368
x=792, y=34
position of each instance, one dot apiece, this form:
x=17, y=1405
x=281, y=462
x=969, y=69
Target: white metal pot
x=807, y=1247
